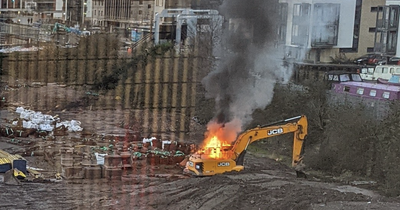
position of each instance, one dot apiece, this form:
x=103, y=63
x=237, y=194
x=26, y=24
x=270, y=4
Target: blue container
x=5, y=167
x=20, y=165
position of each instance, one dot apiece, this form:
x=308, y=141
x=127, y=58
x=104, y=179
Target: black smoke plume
x=251, y=63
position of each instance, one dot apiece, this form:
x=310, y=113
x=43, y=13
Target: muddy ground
x=264, y=184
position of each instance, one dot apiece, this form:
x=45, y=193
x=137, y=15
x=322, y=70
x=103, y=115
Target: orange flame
x=214, y=148
x=218, y=141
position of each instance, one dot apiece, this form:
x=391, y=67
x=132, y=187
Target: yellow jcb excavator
x=200, y=164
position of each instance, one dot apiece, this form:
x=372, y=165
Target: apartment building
x=98, y=7
x=79, y=12
x=41, y=9
x=142, y=12
x=369, y=12
x=87, y=13
x=316, y=30
x=128, y=13
x=74, y=12
x=49, y=9
x=12, y=6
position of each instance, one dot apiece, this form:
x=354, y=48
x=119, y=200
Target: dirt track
x=265, y=184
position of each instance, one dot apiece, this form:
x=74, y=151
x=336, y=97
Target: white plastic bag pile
x=44, y=122
x=72, y=125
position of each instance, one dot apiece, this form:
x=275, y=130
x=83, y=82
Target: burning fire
x=219, y=139
x=214, y=148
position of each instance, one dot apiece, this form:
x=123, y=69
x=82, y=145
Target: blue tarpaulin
x=136, y=35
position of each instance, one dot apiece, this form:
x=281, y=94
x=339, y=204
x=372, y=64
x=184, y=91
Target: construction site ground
x=264, y=184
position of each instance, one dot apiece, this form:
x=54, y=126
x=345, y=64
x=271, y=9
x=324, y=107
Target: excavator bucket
x=301, y=174
x=300, y=170
x=19, y=174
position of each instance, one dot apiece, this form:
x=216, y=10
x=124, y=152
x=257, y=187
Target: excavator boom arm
x=298, y=128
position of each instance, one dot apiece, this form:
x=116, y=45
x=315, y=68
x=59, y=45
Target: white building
x=59, y=12
x=98, y=8
x=313, y=29
x=159, y=6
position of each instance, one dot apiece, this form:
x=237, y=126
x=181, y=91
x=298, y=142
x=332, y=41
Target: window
x=149, y=6
x=385, y=70
x=94, y=12
x=391, y=70
x=372, y=93
x=364, y=70
x=325, y=27
x=392, y=41
x=372, y=30
x=375, y=9
x=283, y=12
x=295, y=30
x=356, y=77
x=370, y=49
x=140, y=2
x=393, y=17
x=282, y=33
x=378, y=70
x=386, y=95
x=140, y=12
x=305, y=10
x=397, y=70
x=296, y=9
x=360, y=91
x=346, y=88
x=344, y=78
x=371, y=70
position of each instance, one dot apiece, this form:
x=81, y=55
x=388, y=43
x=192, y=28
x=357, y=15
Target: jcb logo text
x=275, y=131
x=222, y=164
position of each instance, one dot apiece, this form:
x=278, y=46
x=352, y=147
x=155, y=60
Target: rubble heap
x=88, y=156
x=94, y=162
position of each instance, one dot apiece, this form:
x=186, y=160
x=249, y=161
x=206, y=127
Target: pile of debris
x=13, y=168
x=89, y=156
x=94, y=162
x=38, y=124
